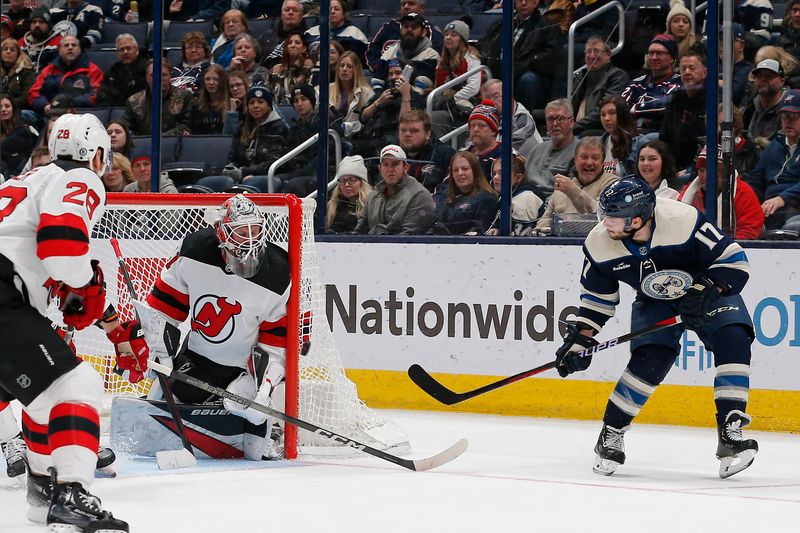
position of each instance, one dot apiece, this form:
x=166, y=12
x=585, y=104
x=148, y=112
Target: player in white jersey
x=233, y=286
x=46, y=218
x=679, y=264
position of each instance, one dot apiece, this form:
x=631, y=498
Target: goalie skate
x=734, y=452
x=610, y=449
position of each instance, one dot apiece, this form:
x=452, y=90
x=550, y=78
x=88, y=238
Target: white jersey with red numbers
x=228, y=314
x=46, y=218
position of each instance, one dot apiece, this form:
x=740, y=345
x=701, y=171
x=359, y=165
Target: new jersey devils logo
x=214, y=317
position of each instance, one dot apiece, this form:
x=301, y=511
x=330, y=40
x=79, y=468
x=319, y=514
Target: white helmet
x=78, y=137
x=242, y=232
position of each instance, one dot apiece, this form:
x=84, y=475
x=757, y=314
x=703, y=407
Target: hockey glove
x=83, y=306
x=699, y=299
x=131, y=357
x=245, y=386
x=569, y=358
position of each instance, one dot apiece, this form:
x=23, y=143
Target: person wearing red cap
x=484, y=125
x=749, y=221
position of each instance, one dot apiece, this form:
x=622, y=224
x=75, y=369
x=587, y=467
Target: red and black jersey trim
x=61, y=235
x=273, y=333
x=169, y=301
x=74, y=424
x=35, y=435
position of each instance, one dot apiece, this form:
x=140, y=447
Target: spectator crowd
x=415, y=98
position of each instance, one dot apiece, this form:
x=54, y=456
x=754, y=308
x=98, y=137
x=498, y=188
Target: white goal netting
x=149, y=228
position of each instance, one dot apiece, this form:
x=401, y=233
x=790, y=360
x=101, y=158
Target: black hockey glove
x=699, y=299
x=569, y=358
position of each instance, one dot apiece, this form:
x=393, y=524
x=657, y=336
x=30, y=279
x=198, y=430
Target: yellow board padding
x=772, y=410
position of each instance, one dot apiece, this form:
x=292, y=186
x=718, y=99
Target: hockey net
x=150, y=227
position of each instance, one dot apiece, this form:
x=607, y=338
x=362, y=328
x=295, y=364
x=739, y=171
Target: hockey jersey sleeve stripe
x=181, y=298
x=164, y=303
x=61, y=235
x=273, y=333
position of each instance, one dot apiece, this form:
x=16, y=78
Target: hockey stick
x=166, y=459
x=441, y=393
x=418, y=465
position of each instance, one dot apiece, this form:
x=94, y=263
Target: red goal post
x=150, y=227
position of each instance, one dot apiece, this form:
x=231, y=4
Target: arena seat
x=102, y=113
x=169, y=146
x=137, y=29
x=259, y=27
x=115, y=113
x=102, y=58
x=193, y=188
x=173, y=34
x=199, y=155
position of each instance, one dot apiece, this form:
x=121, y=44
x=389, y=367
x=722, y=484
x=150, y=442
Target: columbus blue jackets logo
x=666, y=284
x=214, y=317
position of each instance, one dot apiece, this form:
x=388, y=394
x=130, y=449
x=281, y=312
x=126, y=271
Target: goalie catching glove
x=569, y=357
x=83, y=306
x=132, y=361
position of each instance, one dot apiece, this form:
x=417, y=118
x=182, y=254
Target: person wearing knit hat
x=348, y=198
x=6, y=28
x=259, y=91
x=352, y=166
x=41, y=13
x=487, y=112
x=667, y=42
x=679, y=25
x=460, y=27
x=678, y=8
x=307, y=91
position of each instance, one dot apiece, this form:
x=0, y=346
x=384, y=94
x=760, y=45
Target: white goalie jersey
x=227, y=314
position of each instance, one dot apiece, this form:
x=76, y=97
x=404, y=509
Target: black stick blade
x=433, y=388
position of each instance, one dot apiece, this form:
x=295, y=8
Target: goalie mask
x=242, y=233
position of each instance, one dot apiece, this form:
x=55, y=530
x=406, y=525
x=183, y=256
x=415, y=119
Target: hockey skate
x=610, y=449
x=734, y=452
x=38, y=496
x=14, y=452
x=74, y=509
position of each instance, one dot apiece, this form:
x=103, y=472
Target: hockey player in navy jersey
x=47, y=216
x=678, y=263
x=233, y=286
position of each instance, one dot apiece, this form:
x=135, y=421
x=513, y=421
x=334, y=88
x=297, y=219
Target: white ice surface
x=519, y=475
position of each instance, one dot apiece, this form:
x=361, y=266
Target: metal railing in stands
x=452, y=136
x=455, y=81
x=580, y=22
x=337, y=145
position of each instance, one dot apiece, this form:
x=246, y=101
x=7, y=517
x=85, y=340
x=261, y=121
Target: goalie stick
x=417, y=465
x=428, y=383
x=166, y=459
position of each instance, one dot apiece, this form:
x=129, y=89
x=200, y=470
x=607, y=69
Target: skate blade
x=729, y=466
x=605, y=467
x=69, y=528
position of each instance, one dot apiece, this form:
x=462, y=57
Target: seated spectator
x=790, y=29
x=648, y=95
x=261, y=140
x=483, y=127
x=789, y=63
x=526, y=206
x=348, y=198
x=232, y=24
x=554, y=156
x=210, y=107
x=19, y=14
x=258, y=9
x=299, y=176
x=41, y=43
x=195, y=58
x=194, y=11
x=468, y=203
x=749, y=222
x=141, y=167
x=16, y=73
x=413, y=49
x=245, y=57
x=334, y=53
x=756, y=17
x=526, y=21
x=120, y=174
x=592, y=83
x=390, y=33
x=454, y=105
x=87, y=18
x=16, y=138
x=523, y=127
x=428, y=158
x=741, y=66
x=40, y=157
x=543, y=77
x=271, y=41
x=776, y=177
x=343, y=31
x=621, y=140
x=762, y=113
x=399, y=205
x=293, y=70
x=349, y=93
x=176, y=105
x=238, y=85
x=379, y=118
x=121, y=141
x=578, y=195
x=71, y=75
x=125, y=77
x=679, y=26
x=685, y=116
x=657, y=167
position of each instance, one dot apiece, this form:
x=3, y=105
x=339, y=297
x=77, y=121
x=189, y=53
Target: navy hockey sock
x=732, y=361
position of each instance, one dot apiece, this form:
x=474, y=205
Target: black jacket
x=684, y=122
x=123, y=81
x=431, y=164
x=267, y=146
x=610, y=80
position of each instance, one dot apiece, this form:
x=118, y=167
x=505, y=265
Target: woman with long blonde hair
x=349, y=196
x=349, y=93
